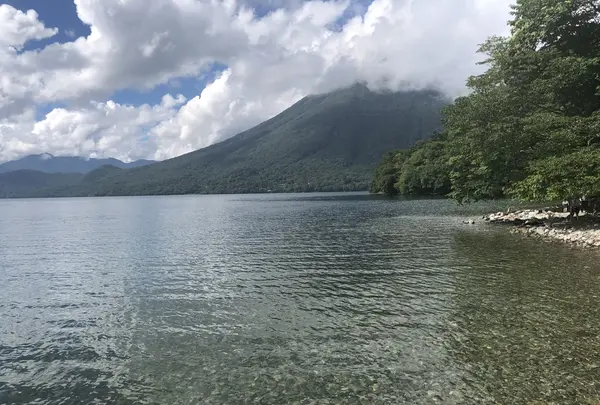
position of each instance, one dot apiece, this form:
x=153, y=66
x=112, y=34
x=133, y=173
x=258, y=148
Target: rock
x=533, y=222
x=550, y=225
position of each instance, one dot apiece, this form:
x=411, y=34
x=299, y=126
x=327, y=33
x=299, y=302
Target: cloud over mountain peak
x=200, y=71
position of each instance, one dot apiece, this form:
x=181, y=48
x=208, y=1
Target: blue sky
x=187, y=86
x=62, y=14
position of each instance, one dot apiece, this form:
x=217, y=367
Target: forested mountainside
x=22, y=183
x=328, y=142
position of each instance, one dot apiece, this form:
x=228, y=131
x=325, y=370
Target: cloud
x=17, y=27
x=177, y=38
x=106, y=129
x=272, y=60
x=396, y=44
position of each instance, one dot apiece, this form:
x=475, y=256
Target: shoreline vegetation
x=529, y=129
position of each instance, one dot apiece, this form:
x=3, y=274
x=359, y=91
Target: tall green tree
x=530, y=126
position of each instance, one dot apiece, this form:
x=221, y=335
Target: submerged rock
x=587, y=236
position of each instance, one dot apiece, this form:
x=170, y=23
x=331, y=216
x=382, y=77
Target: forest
x=529, y=128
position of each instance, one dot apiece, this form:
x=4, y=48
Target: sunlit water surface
x=288, y=299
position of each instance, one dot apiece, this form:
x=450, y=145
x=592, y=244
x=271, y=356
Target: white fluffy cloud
x=272, y=61
x=18, y=27
x=93, y=130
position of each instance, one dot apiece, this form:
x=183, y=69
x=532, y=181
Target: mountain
x=328, y=142
x=47, y=163
x=21, y=183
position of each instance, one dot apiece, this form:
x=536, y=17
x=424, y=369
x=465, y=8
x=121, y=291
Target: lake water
x=288, y=299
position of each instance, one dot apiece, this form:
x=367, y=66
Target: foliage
x=419, y=171
x=530, y=127
x=386, y=174
x=558, y=177
x=425, y=170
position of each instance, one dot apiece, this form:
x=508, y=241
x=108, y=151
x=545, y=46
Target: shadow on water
x=527, y=321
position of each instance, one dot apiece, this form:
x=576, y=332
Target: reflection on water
x=308, y=299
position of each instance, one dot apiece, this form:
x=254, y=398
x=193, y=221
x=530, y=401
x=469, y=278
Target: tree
x=530, y=127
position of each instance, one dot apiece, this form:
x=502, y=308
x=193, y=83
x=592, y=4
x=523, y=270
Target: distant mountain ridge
x=327, y=142
x=48, y=163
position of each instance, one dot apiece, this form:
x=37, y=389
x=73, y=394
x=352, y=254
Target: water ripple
x=312, y=299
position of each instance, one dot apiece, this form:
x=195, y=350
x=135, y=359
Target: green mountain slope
x=23, y=183
x=327, y=142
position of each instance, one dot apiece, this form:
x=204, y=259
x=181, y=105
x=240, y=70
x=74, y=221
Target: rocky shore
x=551, y=224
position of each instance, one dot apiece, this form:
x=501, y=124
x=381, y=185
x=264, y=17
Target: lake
x=288, y=299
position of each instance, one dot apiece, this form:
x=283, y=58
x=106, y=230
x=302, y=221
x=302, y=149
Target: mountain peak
x=330, y=142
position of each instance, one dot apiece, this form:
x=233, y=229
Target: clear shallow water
x=276, y=299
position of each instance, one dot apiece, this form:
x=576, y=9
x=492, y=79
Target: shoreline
x=550, y=225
